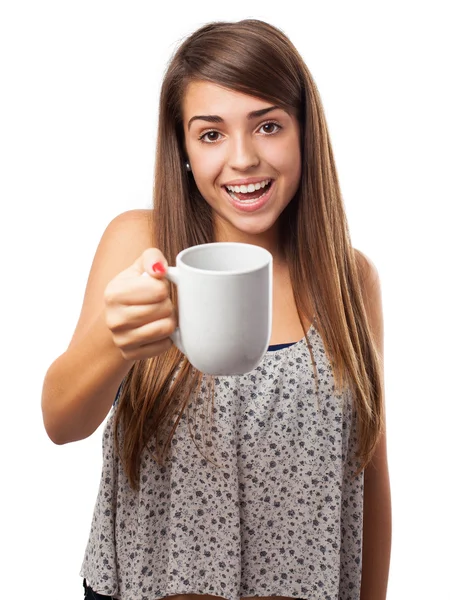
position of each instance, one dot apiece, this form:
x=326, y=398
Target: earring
x=188, y=166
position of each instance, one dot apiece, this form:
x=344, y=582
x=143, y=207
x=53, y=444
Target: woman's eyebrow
x=217, y=119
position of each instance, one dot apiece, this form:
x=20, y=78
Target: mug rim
x=186, y=251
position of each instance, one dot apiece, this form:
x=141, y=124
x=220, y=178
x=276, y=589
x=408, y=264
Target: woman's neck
x=269, y=240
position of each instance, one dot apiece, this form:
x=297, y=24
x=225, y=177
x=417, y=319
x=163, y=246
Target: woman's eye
x=209, y=136
x=270, y=127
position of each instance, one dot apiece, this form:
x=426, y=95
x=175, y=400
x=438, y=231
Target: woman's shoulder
x=134, y=217
x=367, y=270
x=131, y=231
x=370, y=285
x=371, y=294
x=125, y=238
x=132, y=228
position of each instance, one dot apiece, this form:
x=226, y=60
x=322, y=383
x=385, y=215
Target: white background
x=79, y=93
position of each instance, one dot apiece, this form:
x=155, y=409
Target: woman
x=266, y=498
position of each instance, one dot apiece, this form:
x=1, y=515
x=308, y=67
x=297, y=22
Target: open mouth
x=249, y=193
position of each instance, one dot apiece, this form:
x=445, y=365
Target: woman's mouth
x=252, y=197
x=249, y=193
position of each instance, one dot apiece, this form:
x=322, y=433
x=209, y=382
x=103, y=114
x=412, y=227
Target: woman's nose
x=242, y=154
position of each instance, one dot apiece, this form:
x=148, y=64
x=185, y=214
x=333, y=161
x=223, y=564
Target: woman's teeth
x=245, y=189
x=249, y=193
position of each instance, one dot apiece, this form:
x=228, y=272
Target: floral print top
x=281, y=514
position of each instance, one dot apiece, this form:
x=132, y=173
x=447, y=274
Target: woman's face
x=233, y=139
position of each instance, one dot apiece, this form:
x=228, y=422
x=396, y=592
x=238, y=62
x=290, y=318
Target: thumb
x=152, y=262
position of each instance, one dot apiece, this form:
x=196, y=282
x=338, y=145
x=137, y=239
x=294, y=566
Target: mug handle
x=172, y=275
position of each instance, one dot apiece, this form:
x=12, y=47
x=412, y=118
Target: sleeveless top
x=281, y=514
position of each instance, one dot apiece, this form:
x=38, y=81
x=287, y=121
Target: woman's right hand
x=138, y=310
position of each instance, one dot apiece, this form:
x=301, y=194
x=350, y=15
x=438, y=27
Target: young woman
x=249, y=486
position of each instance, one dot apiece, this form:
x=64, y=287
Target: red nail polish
x=158, y=268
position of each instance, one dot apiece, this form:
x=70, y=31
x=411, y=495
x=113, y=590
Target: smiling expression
x=233, y=140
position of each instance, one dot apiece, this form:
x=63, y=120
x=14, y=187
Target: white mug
x=224, y=306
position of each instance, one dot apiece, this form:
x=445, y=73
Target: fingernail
x=158, y=268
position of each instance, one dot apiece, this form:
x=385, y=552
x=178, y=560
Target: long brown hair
x=255, y=58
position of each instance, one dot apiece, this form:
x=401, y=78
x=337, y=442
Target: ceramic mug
x=224, y=306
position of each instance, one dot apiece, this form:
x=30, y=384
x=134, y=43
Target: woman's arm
x=377, y=524
x=81, y=384
x=377, y=527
